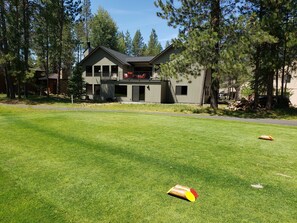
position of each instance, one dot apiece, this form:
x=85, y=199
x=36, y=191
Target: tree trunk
x=26, y=28
x=47, y=58
x=6, y=83
x=215, y=83
x=10, y=84
x=256, y=79
x=284, y=57
x=4, y=47
x=61, y=27
x=276, y=83
x=214, y=92
x=237, y=91
x=17, y=43
x=269, y=103
x=258, y=64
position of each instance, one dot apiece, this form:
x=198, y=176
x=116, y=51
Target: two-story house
x=111, y=75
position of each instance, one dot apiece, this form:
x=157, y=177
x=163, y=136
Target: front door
x=138, y=93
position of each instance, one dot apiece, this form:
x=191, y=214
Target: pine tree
x=86, y=19
x=66, y=12
x=121, y=43
x=128, y=43
x=82, y=29
x=14, y=44
x=103, y=30
x=274, y=55
x=76, y=84
x=201, y=34
x=137, y=44
x=154, y=46
x=43, y=37
x=218, y=36
x=167, y=44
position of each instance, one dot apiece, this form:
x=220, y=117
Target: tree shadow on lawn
x=220, y=180
x=287, y=113
x=35, y=100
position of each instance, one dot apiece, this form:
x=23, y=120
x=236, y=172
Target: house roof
x=122, y=58
x=117, y=55
x=161, y=53
x=139, y=59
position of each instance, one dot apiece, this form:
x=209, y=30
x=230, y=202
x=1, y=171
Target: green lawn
x=88, y=166
x=65, y=102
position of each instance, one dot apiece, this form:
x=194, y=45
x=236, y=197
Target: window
x=181, y=90
x=105, y=71
x=120, y=90
x=114, y=69
x=89, y=71
x=89, y=89
x=97, y=71
x=114, y=72
x=97, y=89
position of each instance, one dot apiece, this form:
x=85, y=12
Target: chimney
x=88, y=50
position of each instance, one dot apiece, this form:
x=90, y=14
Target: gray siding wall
x=100, y=58
x=195, y=85
x=153, y=92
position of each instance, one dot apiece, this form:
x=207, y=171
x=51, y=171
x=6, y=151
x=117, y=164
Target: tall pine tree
x=154, y=47
x=128, y=42
x=138, y=44
x=103, y=30
x=201, y=35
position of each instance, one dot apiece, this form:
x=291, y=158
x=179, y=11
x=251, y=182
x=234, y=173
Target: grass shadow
x=36, y=100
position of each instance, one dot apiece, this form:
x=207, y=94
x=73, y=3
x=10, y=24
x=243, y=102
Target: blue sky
x=136, y=14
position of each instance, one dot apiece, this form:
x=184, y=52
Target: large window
x=105, y=71
x=181, y=90
x=120, y=90
x=89, y=89
x=114, y=69
x=89, y=71
x=97, y=71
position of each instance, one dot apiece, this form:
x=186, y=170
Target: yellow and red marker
x=183, y=192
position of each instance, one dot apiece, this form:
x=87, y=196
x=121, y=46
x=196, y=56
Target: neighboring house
x=37, y=84
x=111, y=75
x=52, y=83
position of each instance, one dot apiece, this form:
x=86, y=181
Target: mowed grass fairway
x=87, y=166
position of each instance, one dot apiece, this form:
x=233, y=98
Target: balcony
x=129, y=76
x=139, y=75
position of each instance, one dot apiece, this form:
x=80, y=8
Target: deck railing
x=136, y=75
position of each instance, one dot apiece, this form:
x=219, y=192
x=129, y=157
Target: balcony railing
x=138, y=75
